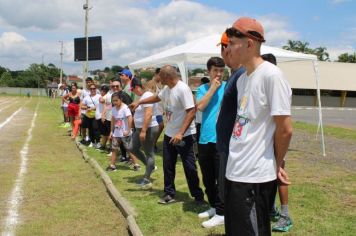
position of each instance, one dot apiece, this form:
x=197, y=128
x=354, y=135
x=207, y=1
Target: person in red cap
x=261, y=134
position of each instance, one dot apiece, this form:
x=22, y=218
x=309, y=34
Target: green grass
x=322, y=196
x=328, y=130
x=62, y=195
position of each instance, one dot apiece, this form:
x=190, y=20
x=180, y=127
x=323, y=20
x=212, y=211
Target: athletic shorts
x=104, y=128
x=159, y=119
x=73, y=109
x=126, y=141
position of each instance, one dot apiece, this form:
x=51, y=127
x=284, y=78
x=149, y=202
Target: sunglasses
x=233, y=32
x=115, y=86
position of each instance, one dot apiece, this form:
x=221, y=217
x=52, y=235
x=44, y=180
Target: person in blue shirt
x=208, y=98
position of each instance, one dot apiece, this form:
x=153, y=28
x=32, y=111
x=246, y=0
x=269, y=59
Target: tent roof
x=200, y=50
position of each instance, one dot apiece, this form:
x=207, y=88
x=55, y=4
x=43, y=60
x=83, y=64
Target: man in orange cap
x=261, y=133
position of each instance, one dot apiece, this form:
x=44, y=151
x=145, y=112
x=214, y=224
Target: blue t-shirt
x=227, y=115
x=209, y=115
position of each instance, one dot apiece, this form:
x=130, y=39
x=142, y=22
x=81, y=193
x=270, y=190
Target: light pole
x=61, y=72
x=85, y=67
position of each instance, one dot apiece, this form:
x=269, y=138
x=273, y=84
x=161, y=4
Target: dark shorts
x=104, y=128
x=247, y=208
x=159, y=119
x=85, y=121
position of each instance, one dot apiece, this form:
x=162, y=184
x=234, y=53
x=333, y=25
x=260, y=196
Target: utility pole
x=85, y=67
x=61, y=54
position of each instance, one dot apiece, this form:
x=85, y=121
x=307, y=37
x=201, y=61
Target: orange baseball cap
x=224, y=39
x=247, y=26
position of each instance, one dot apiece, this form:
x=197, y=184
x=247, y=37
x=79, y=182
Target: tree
x=345, y=57
x=291, y=45
x=5, y=78
x=321, y=53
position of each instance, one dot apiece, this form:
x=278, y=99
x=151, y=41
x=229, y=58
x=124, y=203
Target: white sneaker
x=214, y=221
x=208, y=213
x=91, y=144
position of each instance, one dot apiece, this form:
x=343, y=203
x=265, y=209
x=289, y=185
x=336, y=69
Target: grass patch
x=328, y=130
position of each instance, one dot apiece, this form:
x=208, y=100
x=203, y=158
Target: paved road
x=334, y=116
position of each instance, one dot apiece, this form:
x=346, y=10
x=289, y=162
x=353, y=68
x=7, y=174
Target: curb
x=124, y=206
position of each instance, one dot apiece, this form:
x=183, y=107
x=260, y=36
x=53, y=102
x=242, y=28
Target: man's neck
x=252, y=64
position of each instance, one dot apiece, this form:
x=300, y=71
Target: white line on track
x=5, y=107
x=12, y=116
x=12, y=218
x=325, y=108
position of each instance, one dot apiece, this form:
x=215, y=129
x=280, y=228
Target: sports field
x=47, y=189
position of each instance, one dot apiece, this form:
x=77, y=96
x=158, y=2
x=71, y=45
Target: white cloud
x=130, y=29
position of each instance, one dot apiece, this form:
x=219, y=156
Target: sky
x=31, y=31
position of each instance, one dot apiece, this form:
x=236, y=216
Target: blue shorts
x=159, y=119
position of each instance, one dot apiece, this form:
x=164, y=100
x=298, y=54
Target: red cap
x=224, y=39
x=246, y=24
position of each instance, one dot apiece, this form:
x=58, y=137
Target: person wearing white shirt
x=261, y=133
x=179, y=135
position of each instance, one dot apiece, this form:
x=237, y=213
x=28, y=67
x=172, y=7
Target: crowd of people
x=244, y=130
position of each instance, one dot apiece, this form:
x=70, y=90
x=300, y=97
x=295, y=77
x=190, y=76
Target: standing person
x=198, y=114
x=73, y=100
x=85, y=92
x=146, y=130
x=121, y=127
x=261, y=133
x=284, y=222
x=155, y=86
x=179, y=134
x=125, y=77
x=63, y=91
x=103, y=115
x=226, y=118
x=209, y=98
x=90, y=105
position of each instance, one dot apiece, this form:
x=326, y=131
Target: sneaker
x=145, y=184
x=84, y=142
x=111, y=168
x=274, y=215
x=208, y=213
x=166, y=199
x=155, y=169
x=98, y=146
x=137, y=167
x=216, y=220
x=283, y=224
x=92, y=144
x=109, y=154
x=66, y=125
x=123, y=159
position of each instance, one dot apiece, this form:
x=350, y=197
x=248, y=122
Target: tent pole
x=320, y=125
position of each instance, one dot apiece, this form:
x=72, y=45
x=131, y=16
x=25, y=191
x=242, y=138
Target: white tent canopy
x=200, y=50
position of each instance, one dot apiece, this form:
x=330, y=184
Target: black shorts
x=104, y=128
x=85, y=121
x=247, y=208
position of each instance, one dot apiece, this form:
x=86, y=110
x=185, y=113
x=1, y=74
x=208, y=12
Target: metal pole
x=85, y=72
x=61, y=73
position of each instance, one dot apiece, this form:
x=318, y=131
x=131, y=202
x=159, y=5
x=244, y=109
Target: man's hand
x=176, y=139
x=215, y=83
x=142, y=136
x=283, y=176
x=110, y=136
x=134, y=105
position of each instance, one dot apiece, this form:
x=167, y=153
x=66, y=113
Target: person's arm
x=152, y=99
x=112, y=126
x=204, y=101
x=102, y=100
x=282, y=137
x=189, y=117
x=146, y=121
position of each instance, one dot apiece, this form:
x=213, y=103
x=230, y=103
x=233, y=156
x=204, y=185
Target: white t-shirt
x=261, y=95
x=176, y=101
x=62, y=93
x=121, y=123
x=93, y=101
x=107, y=104
x=140, y=112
